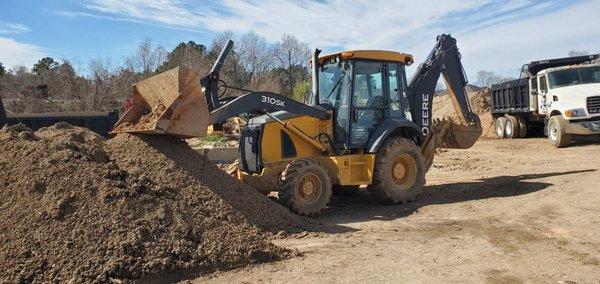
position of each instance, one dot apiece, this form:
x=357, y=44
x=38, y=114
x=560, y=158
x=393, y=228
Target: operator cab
x=365, y=87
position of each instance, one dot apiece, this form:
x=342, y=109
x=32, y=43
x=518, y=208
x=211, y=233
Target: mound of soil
x=77, y=208
x=480, y=104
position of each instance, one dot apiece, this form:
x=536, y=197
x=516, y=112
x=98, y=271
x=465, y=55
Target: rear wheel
x=556, y=132
x=500, y=127
x=399, y=173
x=522, y=127
x=511, y=129
x=305, y=187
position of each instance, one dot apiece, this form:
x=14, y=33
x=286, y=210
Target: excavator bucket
x=456, y=136
x=170, y=103
x=448, y=134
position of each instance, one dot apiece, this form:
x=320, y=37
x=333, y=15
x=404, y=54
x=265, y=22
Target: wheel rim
x=499, y=128
x=404, y=171
x=508, y=129
x=309, y=188
x=553, y=132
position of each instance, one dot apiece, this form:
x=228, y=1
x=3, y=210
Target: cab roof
x=568, y=67
x=371, y=54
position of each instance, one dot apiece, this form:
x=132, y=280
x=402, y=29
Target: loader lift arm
x=221, y=109
x=444, y=59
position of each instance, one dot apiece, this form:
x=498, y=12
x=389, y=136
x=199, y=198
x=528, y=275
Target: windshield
x=570, y=77
x=333, y=78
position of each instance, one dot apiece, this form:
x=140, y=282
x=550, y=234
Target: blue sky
x=492, y=35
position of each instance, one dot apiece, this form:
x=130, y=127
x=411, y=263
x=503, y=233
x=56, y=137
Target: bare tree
x=292, y=56
x=578, y=53
x=255, y=53
x=147, y=58
x=487, y=78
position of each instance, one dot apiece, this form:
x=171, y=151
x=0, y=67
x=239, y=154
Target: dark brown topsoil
x=77, y=208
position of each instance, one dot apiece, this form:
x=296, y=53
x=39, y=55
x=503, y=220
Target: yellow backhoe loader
x=363, y=124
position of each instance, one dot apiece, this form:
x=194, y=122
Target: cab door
x=369, y=92
x=542, y=94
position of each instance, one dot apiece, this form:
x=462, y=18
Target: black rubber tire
x=556, y=132
x=511, y=130
x=501, y=127
x=289, y=188
x=522, y=127
x=384, y=188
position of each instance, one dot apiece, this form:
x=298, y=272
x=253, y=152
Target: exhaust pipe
x=315, y=77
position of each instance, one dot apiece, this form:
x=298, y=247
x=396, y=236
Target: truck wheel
x=511, y=129
x=500, y=127
x=399, y=173
x=522, y=127
x=556, y=132
x=305, y=187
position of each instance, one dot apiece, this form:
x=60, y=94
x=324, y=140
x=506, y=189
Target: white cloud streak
x=13, y=28
x=172, y=13
x=492, y=34
x=14, y=53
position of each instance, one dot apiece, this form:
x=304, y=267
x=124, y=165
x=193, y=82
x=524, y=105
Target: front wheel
x=399, y=173
x=305, y=187
x=556, y=132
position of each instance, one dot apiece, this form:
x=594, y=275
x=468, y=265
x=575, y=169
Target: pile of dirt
x=77, y=208
x=480, y=103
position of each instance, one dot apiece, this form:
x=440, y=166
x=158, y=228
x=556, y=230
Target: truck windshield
x=570, y=77
x=333, y=82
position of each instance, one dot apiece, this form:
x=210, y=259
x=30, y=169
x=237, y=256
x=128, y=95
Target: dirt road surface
x=505, y=211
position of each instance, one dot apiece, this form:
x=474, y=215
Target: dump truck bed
x=100, y=122
x=511, y=97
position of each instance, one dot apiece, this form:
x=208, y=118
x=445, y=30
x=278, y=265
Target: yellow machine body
x=350, y=169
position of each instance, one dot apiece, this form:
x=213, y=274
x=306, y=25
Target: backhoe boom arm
x=444, y=60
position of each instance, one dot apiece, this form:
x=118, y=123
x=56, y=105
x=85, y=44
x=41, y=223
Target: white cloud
x=13, y=28
x=493, y=35
x=505, y=47
x=14, y=53
x=172, y=13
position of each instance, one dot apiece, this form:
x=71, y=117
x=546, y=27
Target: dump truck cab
x=571, y=91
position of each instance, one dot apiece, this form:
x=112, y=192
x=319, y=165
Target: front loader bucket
x=456, y=136
x=169, y=103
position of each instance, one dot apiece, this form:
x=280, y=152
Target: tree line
x=254, y=64
x=53, y=85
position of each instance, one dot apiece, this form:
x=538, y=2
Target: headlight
x=575, y=112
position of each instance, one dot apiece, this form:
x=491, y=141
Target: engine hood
x=579, y=91
x=573, y=97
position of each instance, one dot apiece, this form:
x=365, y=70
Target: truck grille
x=593, y=104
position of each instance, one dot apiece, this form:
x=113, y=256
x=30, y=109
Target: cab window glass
x=543, y=85
x=368, y=84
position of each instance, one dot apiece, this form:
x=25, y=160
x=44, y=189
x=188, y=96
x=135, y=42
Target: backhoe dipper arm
x=443, y=59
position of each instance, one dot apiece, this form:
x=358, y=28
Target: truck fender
x=393, y=126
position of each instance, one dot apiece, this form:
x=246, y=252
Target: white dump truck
x=560, y=96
